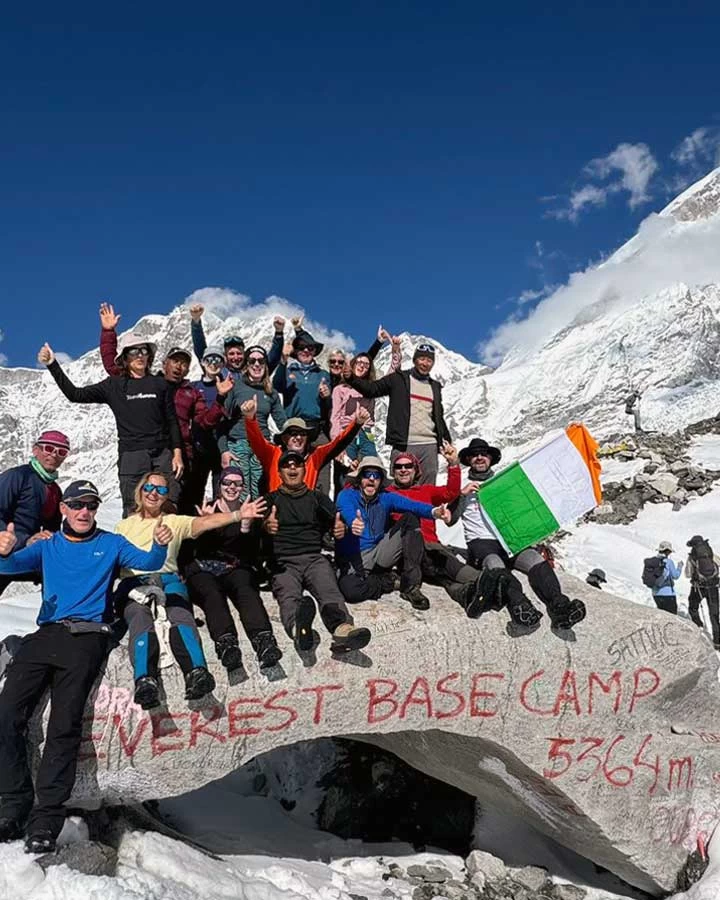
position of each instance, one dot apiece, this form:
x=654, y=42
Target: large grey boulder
x=606, y=739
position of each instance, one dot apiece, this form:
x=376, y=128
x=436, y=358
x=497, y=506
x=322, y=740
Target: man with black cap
x=79, y=564
x=704, y=574
x=297, y=520
x=499, y=587
x=30, y=496
x=415, y=419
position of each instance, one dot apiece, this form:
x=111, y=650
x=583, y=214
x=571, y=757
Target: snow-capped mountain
x=634, y=323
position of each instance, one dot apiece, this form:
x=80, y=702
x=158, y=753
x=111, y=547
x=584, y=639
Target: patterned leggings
x=250, y=465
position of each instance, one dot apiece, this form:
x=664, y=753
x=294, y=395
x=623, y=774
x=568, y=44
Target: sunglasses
x=233, y=482
x=62, y=452
x=213, y=360
x=337, y=362
x=256, y=360
x=160, y=489
x=234, y=339
x=403, y=466
x=372, y=476
x=425, y=348
x=293, y=465
x=90, y=505
x=305, y=349
x=135, y=352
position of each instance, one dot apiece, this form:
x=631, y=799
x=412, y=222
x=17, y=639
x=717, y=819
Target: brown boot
x=349, y=637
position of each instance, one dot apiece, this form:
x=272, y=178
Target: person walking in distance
x=79, y=564
x=660, y=574
x=149, y=436
x=30, y=496
x=702, y=570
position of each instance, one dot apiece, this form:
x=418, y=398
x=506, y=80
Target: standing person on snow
x=632, y=408
x=224, y=567
x=190, y=408
x=149, y=436
x=500, y=587
x=142, y=588
x=205, y=453
x=702, y=570
x=374, y=545
x=66, y=653
x=660, y=574
x=297, y=521
x=440, y=564
x=30, y=496
x=415, y=419
x=253, y=384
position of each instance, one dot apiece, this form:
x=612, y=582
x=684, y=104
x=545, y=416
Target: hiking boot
x=228, y=651
x=348, y=637
x=416, y=598
x=147, y=692
x=302, y=632
x=40, y=842
x=524, y=614
x=390, y=582
x=10, y=829
x=198, y=682
x=565, y=615
x=266, y=649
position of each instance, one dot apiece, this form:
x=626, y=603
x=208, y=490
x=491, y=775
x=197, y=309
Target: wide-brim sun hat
x=480, y=446
x=130, y=340
x=294, y=424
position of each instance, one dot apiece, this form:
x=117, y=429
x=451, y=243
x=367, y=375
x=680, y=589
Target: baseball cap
x=290, y=456
x=56, y=438
x=178, y=351
x=77, y=489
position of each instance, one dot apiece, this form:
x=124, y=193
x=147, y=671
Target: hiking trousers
x=68, y=665
x=211, y=593
x=698, y=593
x=311, y=572
x=667, y=603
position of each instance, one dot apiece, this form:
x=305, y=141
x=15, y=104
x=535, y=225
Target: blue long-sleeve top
x=667, y=588
x=78, y=574
x=376, y=515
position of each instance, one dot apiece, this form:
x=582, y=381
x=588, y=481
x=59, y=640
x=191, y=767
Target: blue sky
x=423, y=165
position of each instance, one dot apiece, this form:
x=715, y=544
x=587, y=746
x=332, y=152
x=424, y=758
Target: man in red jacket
x=440, y=565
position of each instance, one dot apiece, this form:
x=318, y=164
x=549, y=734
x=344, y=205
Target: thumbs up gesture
x=271, y=525
x=7, y=540
x=338, y=528
x=358, y=525
x=45, y=354
x=442, y=512
x=162, y=534
x=249, y=407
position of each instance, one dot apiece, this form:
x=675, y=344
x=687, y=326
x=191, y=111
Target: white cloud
x=700, y=148
x=661, y=255
x=628, y=168
x=227, y=304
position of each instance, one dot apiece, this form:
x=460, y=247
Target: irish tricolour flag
x=550, y=487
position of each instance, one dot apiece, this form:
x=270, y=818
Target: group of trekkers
x=271, y=521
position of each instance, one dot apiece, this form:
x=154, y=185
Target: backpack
x=653, y=573
x=706, y=568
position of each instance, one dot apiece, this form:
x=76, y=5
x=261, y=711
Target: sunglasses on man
x=91, y=505
x=403, y=466
x=161, y=489
x=62, y=452
x=372, y=476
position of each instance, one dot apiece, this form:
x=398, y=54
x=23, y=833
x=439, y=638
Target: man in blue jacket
x=30, y=496
x=78, y=566
x=374, y=545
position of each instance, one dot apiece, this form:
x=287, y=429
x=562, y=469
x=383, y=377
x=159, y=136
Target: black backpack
x=653, y=573
x=705, y=566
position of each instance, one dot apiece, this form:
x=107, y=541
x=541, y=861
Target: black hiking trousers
x=211, y=593
x=52, y=657
x=666, y=604
x=698, y=593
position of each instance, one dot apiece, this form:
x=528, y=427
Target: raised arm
x=262, y=448
x=380, y=388
x=90, y=393
x=325, y=452
x=29, y=559
x=276, y=348
x=132, y=557
x=108, y=338
x=251, y=509
x=196, y=330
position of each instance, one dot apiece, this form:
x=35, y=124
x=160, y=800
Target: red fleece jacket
x=434, y=494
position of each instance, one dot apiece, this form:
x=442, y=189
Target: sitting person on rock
x=297, y=520
x=440, y=564
x=596, y=578
x=296, y=435
x=224, y=567
x=65, y=654
x=499, y=586
x=374, y=544
x=144, y=594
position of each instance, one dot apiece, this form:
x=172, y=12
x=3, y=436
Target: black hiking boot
x=266, y=649
x=40, y=842
x=228, y=651
x=390, y=582
x=524, y=614
x=10, y=829
x=416, y=598
x=303, y=634
x=147, y=692
x=348, y=637
x=564, y=613
x=198, y=682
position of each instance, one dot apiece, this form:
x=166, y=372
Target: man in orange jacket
x=295, y=435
